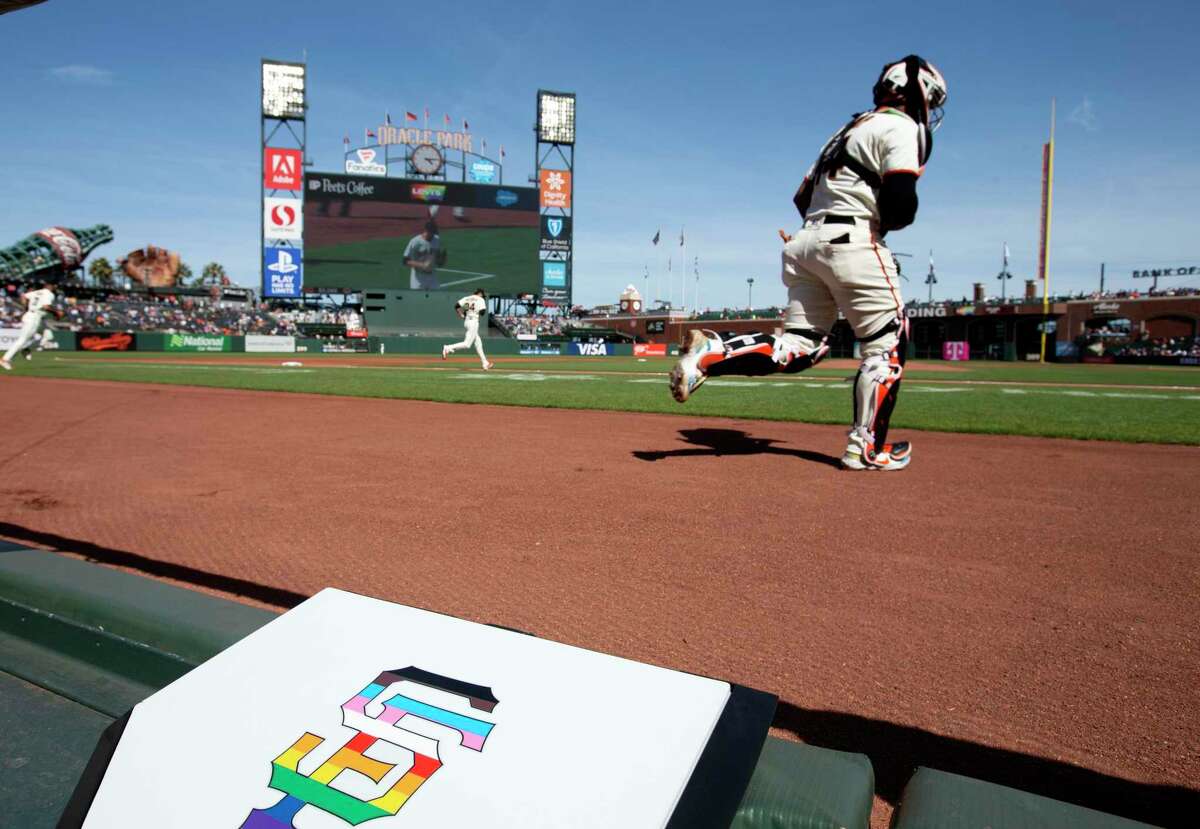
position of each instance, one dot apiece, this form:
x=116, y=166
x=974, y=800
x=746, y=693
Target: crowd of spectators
x=1159, y=347
x=538, y=325
x=176, y=315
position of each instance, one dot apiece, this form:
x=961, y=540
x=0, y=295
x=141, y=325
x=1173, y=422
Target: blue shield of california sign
x=556, y=234
x=283, y=270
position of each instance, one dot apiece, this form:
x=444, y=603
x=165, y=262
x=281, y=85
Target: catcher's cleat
x=687, y=376
x=895, y=456
x=6, y=365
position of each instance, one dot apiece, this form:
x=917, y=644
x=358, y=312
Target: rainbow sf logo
x=404, y=721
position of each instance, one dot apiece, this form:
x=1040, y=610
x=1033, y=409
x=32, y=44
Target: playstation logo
x=285, y=264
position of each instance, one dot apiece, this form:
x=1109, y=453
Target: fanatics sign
x=281, y=169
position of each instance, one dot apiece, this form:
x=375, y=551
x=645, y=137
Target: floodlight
x=283, y=90
x=556, y=117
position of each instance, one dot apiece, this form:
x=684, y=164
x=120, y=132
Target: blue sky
x=691, y=114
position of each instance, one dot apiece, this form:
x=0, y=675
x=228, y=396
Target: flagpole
x=683, y=273
x=1049, y=198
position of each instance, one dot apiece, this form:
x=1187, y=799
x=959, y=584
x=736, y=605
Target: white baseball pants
x=30, y=321
x=472, y=339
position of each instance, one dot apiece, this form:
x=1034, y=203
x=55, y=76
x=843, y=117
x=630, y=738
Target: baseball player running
x=863, y=185
x=469, y=308
x=37, y=303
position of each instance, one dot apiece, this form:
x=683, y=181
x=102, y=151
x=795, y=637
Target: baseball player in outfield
x=469, y=308
x=422, y=255
x=863, y=185
x=37, y=304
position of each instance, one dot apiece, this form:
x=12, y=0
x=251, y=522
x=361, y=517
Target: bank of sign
x=282, y=219
x=198, y=342
x=281, y=169
x=429, y=192
x=363, y=163
x=556, y=234
x=283, y=271
x=482, y=172
x=554, y=274
x=555, y=188
x=1155, y=273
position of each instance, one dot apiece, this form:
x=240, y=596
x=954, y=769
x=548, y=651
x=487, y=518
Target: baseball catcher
x=862, y=186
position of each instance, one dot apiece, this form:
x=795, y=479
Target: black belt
x=839, y=220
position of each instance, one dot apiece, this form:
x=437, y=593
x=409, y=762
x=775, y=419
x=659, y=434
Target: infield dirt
x=1018, y=609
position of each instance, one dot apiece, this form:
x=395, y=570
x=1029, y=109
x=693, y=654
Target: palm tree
x=101, y=271
x=213, y=274
x=184, y=275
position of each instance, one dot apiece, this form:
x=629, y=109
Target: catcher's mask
x=921, y=86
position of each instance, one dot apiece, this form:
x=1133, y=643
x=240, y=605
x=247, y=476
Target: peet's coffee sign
x=1155, y=273
x=446, y=139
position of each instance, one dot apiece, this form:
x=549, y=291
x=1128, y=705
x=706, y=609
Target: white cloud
x=1085, y=115
x=81, y=73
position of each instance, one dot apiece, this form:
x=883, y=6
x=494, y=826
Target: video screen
x=363, y=232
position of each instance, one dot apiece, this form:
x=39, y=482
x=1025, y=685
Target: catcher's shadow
x=717, y=442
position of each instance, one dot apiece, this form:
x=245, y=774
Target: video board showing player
x=366, y=233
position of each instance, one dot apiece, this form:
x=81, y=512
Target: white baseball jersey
x=885, y=141
x=472, y=306
x=38, y=301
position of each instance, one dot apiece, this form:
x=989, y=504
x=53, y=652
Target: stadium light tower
x=750, y=292
x=554, y=152
x=283, y=154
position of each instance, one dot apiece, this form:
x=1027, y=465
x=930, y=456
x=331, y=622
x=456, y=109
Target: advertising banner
x=282, y=219
x=591, y=349
x=956, y=351
x=281, y=169
x=363, y=163
x=541, y=349
x=555, y=188
x=198, y=342
x=283, y=272
x=649, y=349
x=58, y=339
x=266, y=344
x=554, y=274
x=482, y=172
x=65, y=244
x=106, y=341
x=556, y=234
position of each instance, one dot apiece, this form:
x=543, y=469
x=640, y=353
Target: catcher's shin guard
x=757, y=354
x=877, y=384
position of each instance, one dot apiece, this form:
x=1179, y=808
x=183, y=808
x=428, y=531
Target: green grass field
x=1121, y=403
x=506, y=256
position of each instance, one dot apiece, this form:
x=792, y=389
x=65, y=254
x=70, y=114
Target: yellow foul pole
x=1047, y=211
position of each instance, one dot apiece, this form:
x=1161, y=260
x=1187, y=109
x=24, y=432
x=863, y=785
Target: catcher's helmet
x=921, y=87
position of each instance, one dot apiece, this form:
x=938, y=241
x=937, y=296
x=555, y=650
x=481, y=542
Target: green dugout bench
x=81, y=644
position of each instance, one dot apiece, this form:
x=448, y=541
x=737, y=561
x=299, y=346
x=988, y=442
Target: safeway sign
x=282, y=219
x=281, y=169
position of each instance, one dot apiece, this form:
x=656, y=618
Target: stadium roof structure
x=7, y=6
